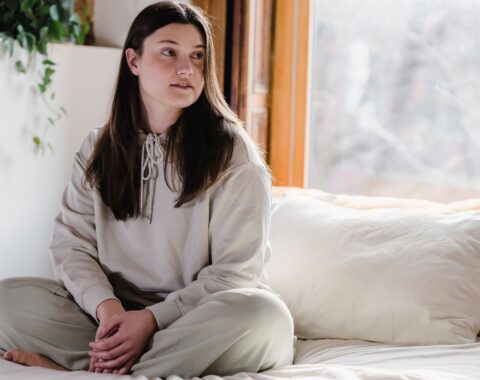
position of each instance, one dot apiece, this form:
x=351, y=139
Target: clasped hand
x=120, y=340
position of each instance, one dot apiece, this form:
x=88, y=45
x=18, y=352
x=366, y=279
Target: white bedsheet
x=327, y=359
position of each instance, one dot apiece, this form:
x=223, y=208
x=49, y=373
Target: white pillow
x=404, y=276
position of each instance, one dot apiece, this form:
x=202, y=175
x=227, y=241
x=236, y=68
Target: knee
x=263, y=313
x=266, y=323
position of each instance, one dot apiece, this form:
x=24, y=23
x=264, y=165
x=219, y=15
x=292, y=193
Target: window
x=395, y=98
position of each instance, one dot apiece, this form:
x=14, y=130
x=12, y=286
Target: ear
x=132, y=58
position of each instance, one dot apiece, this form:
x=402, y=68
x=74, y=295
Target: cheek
x=200, y=77
x=156, y=69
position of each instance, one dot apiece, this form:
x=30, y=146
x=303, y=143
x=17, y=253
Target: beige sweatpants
x=232, y=331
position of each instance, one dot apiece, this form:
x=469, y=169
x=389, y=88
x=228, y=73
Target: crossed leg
x=231, y=331
x=38, y=317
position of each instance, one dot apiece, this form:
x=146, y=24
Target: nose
x=184, y=67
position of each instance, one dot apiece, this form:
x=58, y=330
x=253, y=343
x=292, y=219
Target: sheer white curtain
x=395, y=98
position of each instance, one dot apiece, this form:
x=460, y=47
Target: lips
x=183, y=85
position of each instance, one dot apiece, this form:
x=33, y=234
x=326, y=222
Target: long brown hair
x=199, y=145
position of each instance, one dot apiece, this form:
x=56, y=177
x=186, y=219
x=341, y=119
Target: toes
x=7, y=355
x=31, y=359
x=16, y=356
x=22, y=357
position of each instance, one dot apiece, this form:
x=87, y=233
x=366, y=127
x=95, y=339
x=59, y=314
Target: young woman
x=162, y=237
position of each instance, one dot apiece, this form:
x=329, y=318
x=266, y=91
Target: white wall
x=31, y=185
x=112, y=21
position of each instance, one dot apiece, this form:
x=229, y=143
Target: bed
x=394, y=295
x=327, y=359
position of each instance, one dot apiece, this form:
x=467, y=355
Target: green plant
x=32, y=24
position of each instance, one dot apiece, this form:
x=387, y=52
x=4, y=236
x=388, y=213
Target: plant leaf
x=77, y=30
x=20, y=67
x=26, y=5
x=74, y=19
x=43, y=32
x=41, y=47
x=54, y=12
x=22, y=39
x=31, y=41
x=43, y=9
x=26, y=8
x=49, y=71
x=56, y=30
x=10, y=46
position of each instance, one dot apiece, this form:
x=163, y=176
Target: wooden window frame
x=290, y=92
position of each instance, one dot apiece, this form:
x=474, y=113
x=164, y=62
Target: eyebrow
x=176, y=43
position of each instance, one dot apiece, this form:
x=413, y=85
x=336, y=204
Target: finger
x=97, y=369
x=123, y=371
x=116, y=363
x=126, y=368
x=106, y=328
x=91, y=367
x=111, y=354
x=107, y=344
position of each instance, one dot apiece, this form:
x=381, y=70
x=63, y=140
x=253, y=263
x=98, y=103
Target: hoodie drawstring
x=151, y=156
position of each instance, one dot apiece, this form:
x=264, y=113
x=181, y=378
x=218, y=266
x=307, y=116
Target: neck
x=159, y=123
x=160, y=118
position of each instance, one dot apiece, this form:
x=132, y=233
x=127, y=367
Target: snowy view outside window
x=395, y=98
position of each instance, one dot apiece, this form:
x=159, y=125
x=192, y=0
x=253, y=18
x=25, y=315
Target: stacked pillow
x=393, y=275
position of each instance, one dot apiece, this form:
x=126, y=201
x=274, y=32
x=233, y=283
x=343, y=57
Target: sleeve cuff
x=93, y=296
x=165, y=313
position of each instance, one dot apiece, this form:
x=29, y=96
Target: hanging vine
x=32, y=25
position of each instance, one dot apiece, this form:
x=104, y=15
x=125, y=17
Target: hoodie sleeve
x=238, y=240
x=73, y=245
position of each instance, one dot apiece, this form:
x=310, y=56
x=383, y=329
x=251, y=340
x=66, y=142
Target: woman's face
x=170, y=69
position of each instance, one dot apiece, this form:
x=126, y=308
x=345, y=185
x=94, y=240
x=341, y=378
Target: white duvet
x=327, y=359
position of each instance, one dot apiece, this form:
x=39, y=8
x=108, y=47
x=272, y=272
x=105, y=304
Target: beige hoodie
x=172, y=257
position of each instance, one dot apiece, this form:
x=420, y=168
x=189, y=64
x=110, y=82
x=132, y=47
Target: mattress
x=326, y=359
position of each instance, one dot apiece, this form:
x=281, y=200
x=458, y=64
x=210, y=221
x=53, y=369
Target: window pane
x=395, y=98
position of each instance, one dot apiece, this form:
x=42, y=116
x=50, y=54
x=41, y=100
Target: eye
x=199, y=55
x=168, y=52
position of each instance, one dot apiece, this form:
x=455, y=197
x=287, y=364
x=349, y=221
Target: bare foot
x=31, y=359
